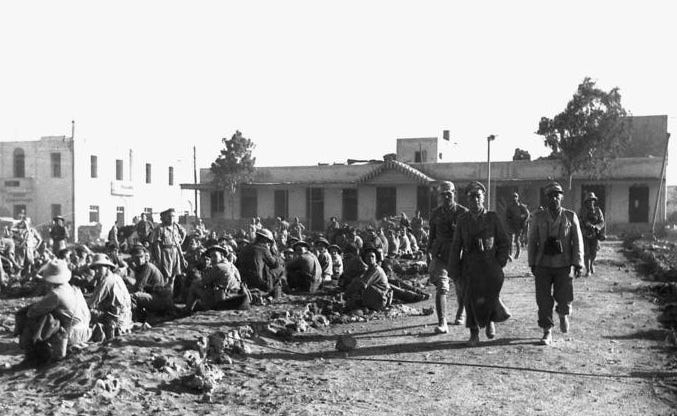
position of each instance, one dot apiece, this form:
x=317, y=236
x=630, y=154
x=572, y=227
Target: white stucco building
x=88, y=183
x=363, y=193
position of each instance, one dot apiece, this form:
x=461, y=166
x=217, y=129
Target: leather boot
x=441, y=306
x=564, y=323
x=547, y=337
x=474, y=337
x=491, y=330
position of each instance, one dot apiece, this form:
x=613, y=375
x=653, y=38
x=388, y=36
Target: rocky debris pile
x=285, y=323
x=212, y=350
x=204, y=378
x=659, y=257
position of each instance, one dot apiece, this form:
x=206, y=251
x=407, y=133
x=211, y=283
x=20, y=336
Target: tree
x=235, y=165
x=589, y=133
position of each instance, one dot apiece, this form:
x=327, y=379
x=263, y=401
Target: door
x=386, y=202
x=638, y=211
x=315, y=208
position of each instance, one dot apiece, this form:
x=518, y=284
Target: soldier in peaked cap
x=555, y=246
x=442, y=226
x=479, y=251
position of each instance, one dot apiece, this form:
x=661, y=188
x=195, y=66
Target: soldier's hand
x=577, y=271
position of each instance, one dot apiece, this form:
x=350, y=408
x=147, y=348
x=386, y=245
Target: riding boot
x=441, y=306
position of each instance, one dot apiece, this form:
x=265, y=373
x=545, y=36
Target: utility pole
x=490, y=139
x=195, y=181
x=660, y=186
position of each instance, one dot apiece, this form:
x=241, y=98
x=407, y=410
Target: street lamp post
x=490, y=139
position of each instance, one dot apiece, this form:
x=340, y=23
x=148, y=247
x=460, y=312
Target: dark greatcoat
x=479, y=251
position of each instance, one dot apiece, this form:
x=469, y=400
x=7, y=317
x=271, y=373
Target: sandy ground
x=615, y=360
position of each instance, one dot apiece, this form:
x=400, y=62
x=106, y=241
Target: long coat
x=479, y=251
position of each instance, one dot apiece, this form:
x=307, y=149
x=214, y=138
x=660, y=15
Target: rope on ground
x=649, y=374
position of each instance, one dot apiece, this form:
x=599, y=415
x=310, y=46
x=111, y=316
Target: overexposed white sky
x=314, y=81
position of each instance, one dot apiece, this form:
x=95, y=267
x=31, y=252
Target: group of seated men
x=226, y=272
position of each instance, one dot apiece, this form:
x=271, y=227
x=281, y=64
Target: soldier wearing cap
x=353, y=266
x=60, y=319
x=110, y=304
x=149, y=292
x=58, y=233
x=336, y=261
x=166, y=246
x=555, y=246
x=304, y=273
x=479, y=252
x=516, y=217
x=592, y=226
x=442, y=226
x=370, y=290
x=259, y=265
x=220, y=285
x=323, y=256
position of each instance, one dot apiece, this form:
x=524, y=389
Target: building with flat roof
x=362, y=193
x=91, y=185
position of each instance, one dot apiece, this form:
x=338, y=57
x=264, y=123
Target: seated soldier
x=150, y=291
x=323, y=256
x=304, y=273
x=353, y=266
x=336, y=261
x=219, y=287
x=371, y=290
x=110, y=304
x=57, y=321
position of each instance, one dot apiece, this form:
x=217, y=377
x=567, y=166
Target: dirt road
x=614, y=361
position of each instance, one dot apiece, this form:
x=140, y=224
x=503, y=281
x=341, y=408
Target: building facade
x=91, y=185
x=363, y=193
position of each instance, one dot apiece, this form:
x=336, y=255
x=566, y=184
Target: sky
x=318, y=81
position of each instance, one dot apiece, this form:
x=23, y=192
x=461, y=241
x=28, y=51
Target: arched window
x=19, y=163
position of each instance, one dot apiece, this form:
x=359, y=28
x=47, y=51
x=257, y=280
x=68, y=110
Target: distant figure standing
x=296, y=229
x=59, y=234
x=516, y=217
x=592, y=226
x=144, y=229
x=166, y=246
x=113, y=235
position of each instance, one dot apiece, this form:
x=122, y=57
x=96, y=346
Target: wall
x=407, y=148
x=132, y=193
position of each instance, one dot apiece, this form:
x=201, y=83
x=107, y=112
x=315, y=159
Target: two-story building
x=87, y=183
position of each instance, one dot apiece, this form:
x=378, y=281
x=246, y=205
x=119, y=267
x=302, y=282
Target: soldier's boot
x=474, y=337
x=491, y=330
x=547, y=337
x=441, y=306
